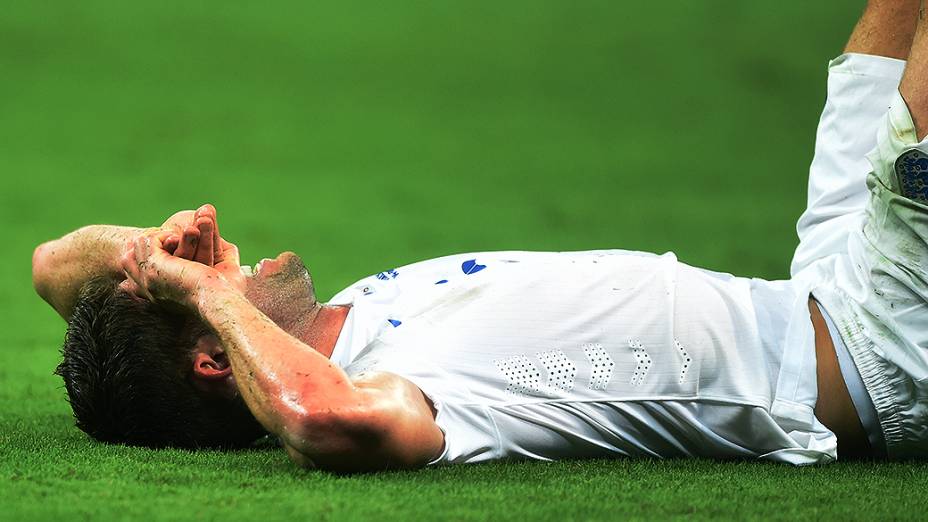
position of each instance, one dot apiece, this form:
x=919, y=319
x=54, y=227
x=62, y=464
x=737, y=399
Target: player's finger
x=129, y=286
x=217, y=239
x=208, y=210
x=171, y=243
x=141, y=257
x=127, y=263
x=188, y=243
x=135, y=280
x=204, y=252
x=157, y=240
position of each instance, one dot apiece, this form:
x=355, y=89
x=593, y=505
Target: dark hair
x=128, y=368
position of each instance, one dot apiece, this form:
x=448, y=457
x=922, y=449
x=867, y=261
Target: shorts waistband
x=856, y=388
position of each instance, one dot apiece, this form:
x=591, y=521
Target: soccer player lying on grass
x=492, y=355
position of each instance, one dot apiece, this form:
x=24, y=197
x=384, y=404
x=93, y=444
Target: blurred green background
x=366, y=135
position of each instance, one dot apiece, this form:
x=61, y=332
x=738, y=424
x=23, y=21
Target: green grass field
x=372, y=135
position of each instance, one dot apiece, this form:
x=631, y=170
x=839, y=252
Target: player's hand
x=210, y=248
x=158, y=276
x=195, y=235
x=213, y=250
x=177, y=224
x=228, y=264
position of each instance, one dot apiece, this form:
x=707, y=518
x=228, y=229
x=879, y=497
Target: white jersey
x=864, y=244
x=588, y=354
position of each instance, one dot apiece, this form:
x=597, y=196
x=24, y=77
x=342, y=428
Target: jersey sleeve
x=860, y=88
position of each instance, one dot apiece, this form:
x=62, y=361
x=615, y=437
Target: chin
x=281, y=286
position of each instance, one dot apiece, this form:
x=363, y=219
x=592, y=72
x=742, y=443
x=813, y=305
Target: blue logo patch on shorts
x=912, y=173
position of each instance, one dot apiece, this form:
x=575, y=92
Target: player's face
x=280, y=287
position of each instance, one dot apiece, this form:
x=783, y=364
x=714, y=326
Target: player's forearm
x=60, y=267
x=286, y=384
x=886, y=28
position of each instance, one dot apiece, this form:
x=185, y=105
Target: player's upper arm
x=389, y=424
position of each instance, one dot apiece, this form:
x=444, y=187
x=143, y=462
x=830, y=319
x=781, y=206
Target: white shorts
x=863, y=241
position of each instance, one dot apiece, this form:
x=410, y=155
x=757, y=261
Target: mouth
x=251, y=271
x=267, y=264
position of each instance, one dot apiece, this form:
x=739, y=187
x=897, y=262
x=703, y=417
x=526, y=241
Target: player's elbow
x=41, y=269
x=338, y=441
x=298, y=458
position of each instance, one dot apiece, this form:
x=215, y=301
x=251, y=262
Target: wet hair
x=127, y=368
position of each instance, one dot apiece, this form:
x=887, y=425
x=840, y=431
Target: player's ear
x=209, y=359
